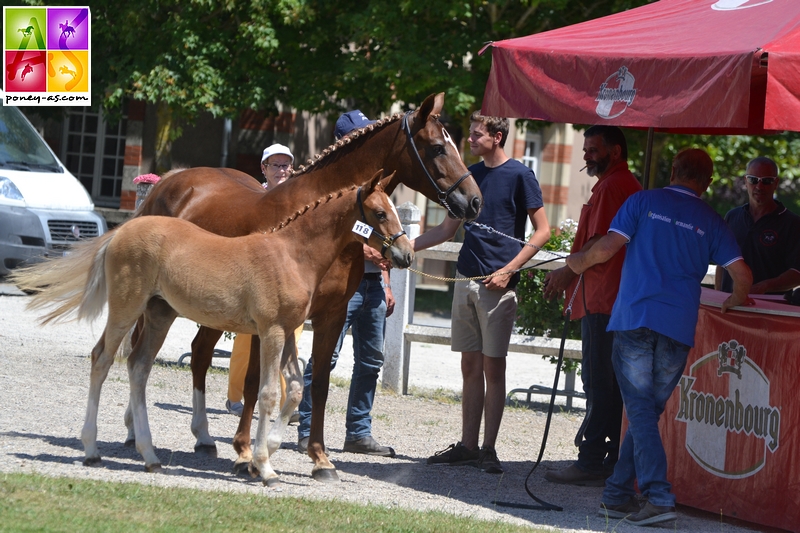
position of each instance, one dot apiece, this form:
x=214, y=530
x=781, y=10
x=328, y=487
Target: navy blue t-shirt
x=509, y=190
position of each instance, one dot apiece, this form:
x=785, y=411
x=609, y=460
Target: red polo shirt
x=601, y=282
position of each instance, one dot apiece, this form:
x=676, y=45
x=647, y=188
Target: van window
x=21, y=148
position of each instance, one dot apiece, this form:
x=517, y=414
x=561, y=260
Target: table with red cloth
x=731, y=429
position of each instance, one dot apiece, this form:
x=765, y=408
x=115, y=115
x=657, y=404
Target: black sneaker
x=456, y=454
x=488, y=461
x=629, y=508
x=653, y=514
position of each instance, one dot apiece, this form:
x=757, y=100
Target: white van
x=43, y=208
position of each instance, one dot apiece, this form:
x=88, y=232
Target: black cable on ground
x=543, y=505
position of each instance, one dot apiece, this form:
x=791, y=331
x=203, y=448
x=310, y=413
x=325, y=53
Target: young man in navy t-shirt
x=484, y=309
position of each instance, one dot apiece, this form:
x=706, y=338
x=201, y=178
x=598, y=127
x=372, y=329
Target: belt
x=374, y=276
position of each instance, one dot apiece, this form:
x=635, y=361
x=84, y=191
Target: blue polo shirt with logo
x=770, y=246
x=672, y=238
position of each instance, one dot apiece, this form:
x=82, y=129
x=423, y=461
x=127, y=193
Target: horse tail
x=70, y=285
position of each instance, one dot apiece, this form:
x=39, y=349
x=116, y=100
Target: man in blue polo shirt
x=767, y=232
x=672, y=236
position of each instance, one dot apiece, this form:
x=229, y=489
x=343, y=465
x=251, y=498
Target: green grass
x=39, y=503
x=440, y=395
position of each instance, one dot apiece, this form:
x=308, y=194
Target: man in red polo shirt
x=605, y=152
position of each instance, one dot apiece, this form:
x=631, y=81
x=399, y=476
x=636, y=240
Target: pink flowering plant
x=146, y=178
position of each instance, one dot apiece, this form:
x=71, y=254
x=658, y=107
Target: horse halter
x=441, y=195
x=387, y=242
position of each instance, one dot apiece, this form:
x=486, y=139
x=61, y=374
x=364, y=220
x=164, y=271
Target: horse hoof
x=272, y=482
x=92, y=461
x=254, y=472
x=325, y=475
x=130, y=443
x=242, y=469
x=154, y=468
x=209, y=450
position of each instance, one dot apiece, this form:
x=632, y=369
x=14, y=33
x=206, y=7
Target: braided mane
x=342, y=146
x=313, y=205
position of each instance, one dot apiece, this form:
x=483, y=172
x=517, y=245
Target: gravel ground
x=43, y=390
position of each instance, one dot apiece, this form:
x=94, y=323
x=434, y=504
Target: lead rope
x=544, y=506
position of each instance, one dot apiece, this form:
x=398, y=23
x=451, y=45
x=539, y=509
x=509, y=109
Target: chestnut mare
x=261, y=284
x=423, y=156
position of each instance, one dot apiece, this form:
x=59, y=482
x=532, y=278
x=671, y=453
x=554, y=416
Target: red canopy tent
x=684, y=66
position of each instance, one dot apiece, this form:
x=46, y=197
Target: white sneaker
x=234, y=408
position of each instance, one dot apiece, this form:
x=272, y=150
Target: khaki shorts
x=482, y=320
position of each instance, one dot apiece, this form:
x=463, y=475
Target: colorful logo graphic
x=730, y=424
x=613, y=101
x=46, y=52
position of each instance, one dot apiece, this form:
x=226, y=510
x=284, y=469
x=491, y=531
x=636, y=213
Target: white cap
x=276, y=149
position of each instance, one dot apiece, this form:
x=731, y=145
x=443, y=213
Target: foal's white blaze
x=394, y=209
x=449, y=139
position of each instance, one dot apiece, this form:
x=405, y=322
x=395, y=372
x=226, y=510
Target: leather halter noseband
x=387, y=242
x=441, y=195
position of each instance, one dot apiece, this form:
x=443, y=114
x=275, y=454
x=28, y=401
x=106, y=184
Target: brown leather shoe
x=652, y=514
x=572, y=475
x=367, y=446
x=629, y=508
x=302, y=445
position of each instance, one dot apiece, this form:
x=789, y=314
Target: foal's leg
x=133, y=338
x=157, y=320
x=271, y=350
x=202, y=353
x=102, y=359
x=288, y=363
x=294, y=386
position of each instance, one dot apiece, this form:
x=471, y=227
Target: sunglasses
x=753, y=180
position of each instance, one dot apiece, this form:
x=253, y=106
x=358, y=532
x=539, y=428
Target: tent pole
x=648, y=155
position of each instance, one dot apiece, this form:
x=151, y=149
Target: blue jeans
x=599, y=449
x=366, y=314
x=648, y=367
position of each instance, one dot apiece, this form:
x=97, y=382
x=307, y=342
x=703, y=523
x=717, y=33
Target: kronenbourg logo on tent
x=730, y=5
x=724, y=402
x=616, y=94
